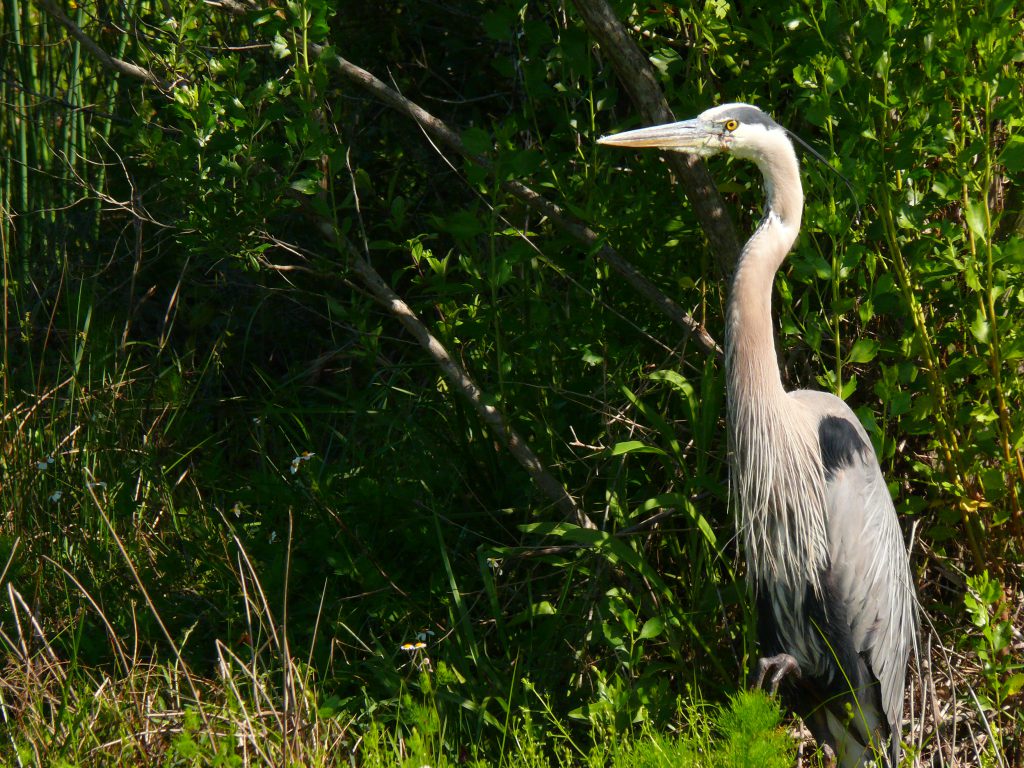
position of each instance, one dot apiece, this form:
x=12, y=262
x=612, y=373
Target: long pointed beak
x=691, y=136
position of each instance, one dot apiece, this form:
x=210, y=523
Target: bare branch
x=624, y=267
x=110, y=62
x=637, y=77
x=460, y=379
x=453, y=371
x=565, y=221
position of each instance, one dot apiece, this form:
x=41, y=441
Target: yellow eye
x=732, y=125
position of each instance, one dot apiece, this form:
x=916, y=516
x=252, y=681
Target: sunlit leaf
x=635, y=446
x=863, y=351
x=980, y=328
x=652, y=628
x=975, y=215
x=279, y=47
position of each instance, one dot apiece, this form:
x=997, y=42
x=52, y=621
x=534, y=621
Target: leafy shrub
x=752, y=736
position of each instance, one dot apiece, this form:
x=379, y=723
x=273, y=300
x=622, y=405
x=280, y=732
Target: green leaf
x=1012, y=686
x=628, y=619
x=897, y=14
x=899, y=403
x=975, y=215
x=462, y=224
x=837, y=75
x=669, y=500
x=657, y=419
x=1012, y=156
x=680, y=384
x=526, y=162
x=279, y=47
x=635, y=446
x=984, y=413
x=674, y=378
x=305, y=186
x=971, y=276
x=477, y=141
x=980, y=328
x=863, y=351
x=499, y=24
x=652, y=628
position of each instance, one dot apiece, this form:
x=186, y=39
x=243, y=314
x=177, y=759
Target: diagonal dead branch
x=110, y=62
x=456, y=375
x=565, y=221
x=460, y=379
x=637, y=77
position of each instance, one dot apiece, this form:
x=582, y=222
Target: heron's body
x=825, y=554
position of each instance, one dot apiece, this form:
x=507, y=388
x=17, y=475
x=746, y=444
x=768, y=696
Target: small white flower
x=55, y=496
x=273, y=536
x=42, y=466
x=297, y=461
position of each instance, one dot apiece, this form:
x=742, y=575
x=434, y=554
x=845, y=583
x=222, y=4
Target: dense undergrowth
x=240, y=499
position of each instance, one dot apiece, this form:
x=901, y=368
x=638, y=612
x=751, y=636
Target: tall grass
x=267, y=708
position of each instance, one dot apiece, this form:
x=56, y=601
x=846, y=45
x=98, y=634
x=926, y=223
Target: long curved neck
x=751, y=363
x=776, y=470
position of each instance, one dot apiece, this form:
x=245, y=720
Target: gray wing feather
x=870, y=567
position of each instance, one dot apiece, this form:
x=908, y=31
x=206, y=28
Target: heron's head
x=740, y=129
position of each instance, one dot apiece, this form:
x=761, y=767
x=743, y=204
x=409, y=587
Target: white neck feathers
x=779, y=490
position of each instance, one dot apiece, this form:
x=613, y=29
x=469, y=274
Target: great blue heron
x=825, y=556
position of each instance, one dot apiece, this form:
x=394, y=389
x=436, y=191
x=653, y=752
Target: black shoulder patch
x=839, y=444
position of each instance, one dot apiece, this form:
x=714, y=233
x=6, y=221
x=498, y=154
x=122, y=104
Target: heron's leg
x=779, y=666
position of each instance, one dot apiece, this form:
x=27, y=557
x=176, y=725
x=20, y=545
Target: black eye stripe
x=750, y=116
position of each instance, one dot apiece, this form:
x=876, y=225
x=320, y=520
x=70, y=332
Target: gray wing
x=870, y=576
